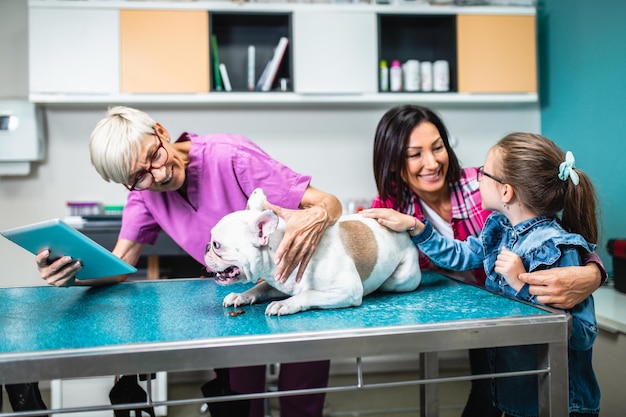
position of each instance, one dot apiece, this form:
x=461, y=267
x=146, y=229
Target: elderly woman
x=183, y=187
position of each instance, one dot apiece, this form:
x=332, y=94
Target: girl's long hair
x=530, y=163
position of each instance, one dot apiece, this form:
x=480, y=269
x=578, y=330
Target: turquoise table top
x=181, y=325
x=49, y=318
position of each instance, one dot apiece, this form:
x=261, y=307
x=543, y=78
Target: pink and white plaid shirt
x=467, y=218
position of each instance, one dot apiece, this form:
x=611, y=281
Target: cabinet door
x=496, y=54
x=334, y=53
x=164, y=51
x=73, y=51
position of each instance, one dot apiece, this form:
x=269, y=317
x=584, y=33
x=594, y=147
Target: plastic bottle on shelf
x=411, y=75
x=384, y=76
x=441, y=76
x=426, y=76
x=395, y=76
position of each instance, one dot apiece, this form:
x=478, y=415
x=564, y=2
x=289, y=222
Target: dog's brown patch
x=360, y=244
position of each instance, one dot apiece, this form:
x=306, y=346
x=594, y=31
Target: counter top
x=610, y=309
x=186, y=309
x=180, y=325
x=151, y=326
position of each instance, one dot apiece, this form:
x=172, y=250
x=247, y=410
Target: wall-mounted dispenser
x=21, y=136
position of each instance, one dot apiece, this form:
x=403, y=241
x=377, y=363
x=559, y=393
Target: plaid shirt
x=468, y=218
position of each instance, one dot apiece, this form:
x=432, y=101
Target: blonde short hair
x=116, y=141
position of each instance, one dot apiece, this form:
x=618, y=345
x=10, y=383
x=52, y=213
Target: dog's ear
x=256, y=200
x=264, y=225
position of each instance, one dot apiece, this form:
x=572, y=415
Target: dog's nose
x=208, y=247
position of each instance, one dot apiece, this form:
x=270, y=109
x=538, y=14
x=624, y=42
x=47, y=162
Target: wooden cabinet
x=164, y=51
x=496, y=54
x=161, y=52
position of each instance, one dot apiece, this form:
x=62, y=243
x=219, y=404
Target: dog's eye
x=216, y=245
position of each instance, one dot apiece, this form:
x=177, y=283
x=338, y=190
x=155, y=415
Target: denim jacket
x=541, y=243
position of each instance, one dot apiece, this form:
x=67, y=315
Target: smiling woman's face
x=426, y=160
x=159, y=167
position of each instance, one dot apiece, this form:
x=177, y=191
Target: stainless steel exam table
x=180, y=325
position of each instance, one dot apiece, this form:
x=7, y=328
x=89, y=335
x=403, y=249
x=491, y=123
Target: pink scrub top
x=223, y=171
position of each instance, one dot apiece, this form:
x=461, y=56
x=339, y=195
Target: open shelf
x=236, y=31
x=420, y=37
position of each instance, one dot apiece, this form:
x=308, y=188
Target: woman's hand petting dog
x=304, y=229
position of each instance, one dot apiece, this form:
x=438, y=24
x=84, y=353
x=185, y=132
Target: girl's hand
x=394, y=220
x=510, y=266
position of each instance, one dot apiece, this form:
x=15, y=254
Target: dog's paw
x=237, y=299
x=281, y=308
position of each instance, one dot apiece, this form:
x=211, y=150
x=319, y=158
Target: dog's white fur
x=355, y=257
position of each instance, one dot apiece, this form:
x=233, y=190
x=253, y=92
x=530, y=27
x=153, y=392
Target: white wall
x=332, y=143
x=13, y=48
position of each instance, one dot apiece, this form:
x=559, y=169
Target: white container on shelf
x=441, y=76
x=411, y=74
x=395, y=76
x=426, y=76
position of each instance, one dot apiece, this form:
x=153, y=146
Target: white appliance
x=21, y=136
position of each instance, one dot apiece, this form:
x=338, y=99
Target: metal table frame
x=548, y=331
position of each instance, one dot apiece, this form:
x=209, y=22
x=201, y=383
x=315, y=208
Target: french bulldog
x=355, y=257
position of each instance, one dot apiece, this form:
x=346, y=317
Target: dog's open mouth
x=228, y=276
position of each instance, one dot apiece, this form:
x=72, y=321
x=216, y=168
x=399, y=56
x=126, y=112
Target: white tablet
x=63, y=240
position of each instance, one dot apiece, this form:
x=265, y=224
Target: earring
x=505, y=205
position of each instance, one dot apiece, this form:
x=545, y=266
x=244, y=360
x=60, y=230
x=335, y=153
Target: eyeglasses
x=481, y=173
x=145, y=179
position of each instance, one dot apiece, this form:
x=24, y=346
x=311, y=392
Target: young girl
x=526, y=180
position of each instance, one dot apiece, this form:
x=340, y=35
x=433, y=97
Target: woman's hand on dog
x=304, y=229
x=394, y=220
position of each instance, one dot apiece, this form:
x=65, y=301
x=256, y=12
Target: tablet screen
x=63, y=240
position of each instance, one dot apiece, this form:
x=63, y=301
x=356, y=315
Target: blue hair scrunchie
x=566, y=169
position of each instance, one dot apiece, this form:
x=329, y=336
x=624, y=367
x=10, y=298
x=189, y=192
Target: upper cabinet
x=73, y=51
x=244, y=53
x=335, y=53
x=496, y=54
x=164, y=51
